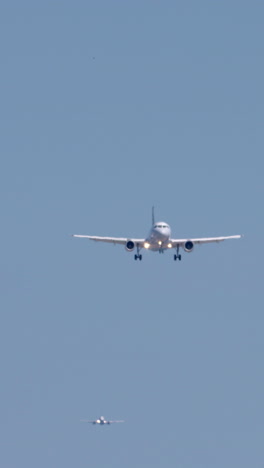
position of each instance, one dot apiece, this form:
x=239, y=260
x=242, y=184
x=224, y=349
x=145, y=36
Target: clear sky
x=109, y=107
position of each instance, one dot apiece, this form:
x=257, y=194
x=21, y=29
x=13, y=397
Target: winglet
x=153, y=216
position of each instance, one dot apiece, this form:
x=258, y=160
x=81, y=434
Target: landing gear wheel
x=177, y=253
x=140, y=257
x=177, y=257
x=135, y=257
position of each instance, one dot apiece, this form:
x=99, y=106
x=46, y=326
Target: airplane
x=158, y=240
x=100, y=421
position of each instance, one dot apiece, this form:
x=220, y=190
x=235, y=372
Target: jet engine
x=130, y=245
x=188, y=246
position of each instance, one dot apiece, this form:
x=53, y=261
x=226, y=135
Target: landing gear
x=138, y=255
x=177, y=254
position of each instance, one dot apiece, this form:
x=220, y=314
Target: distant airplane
x=158, y=240
x=101, y=421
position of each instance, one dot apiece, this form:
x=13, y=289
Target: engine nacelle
x=188, y=246
x=130, y=245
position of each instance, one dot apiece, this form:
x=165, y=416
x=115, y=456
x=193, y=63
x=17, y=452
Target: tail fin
x=153, y=216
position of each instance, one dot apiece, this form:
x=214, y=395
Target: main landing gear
x=177, y=255
x=138, y=255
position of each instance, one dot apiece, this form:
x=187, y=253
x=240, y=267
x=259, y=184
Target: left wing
x=202, y=240
x=116, y=422
x=113, y=240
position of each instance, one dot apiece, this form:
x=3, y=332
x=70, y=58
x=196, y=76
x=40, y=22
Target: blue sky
x=106, y=109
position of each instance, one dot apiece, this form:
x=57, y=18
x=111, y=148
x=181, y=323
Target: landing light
x=146, y=245
x=169, y=246
x=159, y=242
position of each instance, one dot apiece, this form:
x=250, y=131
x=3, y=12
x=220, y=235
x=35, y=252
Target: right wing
x=85, y=420
x=112, y=240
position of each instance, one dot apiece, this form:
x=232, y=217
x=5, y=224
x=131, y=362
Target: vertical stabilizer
x=153, y=216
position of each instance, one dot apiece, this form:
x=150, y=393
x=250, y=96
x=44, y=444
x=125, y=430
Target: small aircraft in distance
x=158, y=240
x=102, y=421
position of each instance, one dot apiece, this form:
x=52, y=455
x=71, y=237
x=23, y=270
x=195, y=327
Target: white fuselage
x=159, y=237
x=101, y=420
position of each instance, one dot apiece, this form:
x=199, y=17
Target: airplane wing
x=202, y=240
x=116, y=422
x=112, y=240
x=86, y=421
